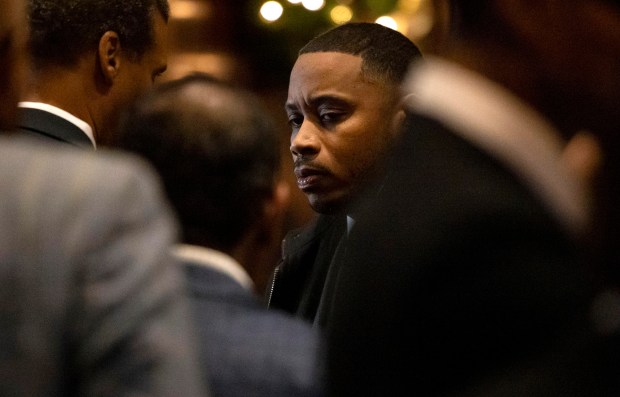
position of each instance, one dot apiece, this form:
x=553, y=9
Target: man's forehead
x=329, y=59
x=326, y=69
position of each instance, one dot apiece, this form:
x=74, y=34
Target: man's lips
x=308, y=177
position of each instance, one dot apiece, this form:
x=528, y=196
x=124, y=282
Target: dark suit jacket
x=249, y=351
x=51, y=128
x=307, y=255
x=457, y=281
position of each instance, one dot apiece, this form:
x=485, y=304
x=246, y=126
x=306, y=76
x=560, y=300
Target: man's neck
x=65, y=88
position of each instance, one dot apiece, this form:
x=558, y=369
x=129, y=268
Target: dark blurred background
x=254, y=43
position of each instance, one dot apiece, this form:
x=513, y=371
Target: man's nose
x=305, y=142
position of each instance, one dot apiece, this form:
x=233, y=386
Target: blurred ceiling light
x=294, y=1
x=271, y=11
x=220, y=65
x=313, y=5
x=387, y=22
x=341, y=14
x=188, y=9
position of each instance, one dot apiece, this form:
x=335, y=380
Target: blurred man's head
x=117, y=46
x=12, y=64
x=344, y=106
x=219, y=157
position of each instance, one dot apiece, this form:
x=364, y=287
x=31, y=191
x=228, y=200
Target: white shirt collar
x=81, y=124
x=215, y=260
x=495, y=120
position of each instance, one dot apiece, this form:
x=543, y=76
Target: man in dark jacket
x=344, y=107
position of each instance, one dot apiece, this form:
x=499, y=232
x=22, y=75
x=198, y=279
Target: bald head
x=12, y=42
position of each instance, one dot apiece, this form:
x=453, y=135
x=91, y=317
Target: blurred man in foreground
x=483, y=289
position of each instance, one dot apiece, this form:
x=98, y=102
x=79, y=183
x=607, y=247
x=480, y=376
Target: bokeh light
x=313, y=5
x=188, y=9
x=271, y=11
x=341, y=14
x=387, y=22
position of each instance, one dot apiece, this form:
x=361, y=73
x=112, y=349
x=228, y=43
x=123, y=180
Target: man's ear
x=109, y=52
x=404, y=105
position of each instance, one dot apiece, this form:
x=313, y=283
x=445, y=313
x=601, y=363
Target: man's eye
x=295, y=121
x=331, y=117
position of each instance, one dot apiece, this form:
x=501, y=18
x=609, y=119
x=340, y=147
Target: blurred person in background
x=344, y=107
x=482, y=228
x=219, y=156
x=90, y=59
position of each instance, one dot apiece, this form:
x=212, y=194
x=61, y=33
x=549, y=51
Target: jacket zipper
x=276, y=272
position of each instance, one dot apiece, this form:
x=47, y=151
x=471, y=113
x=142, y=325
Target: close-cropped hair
x=386, y=54
x=63, y=30
x=216, y=149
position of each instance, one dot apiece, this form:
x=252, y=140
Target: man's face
x=142, y=74
x=341, y=125
x=137, y=76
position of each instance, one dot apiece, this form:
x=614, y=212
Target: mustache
x=301, y=162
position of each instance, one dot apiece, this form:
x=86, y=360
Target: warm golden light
x=313, y=5
x=189, y=9
x=341, y=14
x=294, y=1
x=387, y=22
x=271, y=11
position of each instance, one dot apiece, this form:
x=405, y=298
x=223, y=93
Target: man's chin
x=327, y=207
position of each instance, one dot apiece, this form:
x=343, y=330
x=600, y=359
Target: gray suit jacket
x=90, y=304
x=250, y=351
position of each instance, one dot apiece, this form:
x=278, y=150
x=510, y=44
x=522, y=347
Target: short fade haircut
x=216, y=149
x=386, y=54
x=63, y=30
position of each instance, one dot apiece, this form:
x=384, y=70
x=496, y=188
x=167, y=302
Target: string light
x=271, y=11
x=413, y=18
x=313, y=5
x=387, y=22
x=341, y=14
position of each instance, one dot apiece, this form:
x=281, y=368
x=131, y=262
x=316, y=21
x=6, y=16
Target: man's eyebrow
x=319, y=100
x=329, y=99
x=290, y=107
